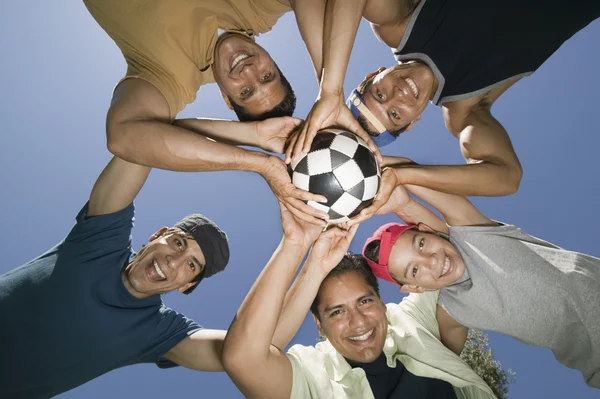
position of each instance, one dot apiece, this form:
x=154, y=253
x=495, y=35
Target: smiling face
x=421, y=259
x=352, y=317
x=397, y=96
x=170, y=261
x=247, y=74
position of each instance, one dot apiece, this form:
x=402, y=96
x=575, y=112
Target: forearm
x=483, y=178
x=116, y=187
x=414, y=213
x=455, y=209
x=342, y=18
x=310, y=17
x=222, y=131
x=250, y=335
x=161, y=145
x=297, y=304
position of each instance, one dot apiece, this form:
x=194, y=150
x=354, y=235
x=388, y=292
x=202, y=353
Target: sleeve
x=112, y=230
x=300, y=384
x=421, y=308
x=171, y=330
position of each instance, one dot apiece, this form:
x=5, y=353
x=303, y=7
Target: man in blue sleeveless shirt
x=460, y=55
x=90, y=304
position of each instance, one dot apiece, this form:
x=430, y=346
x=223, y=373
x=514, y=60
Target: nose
x=357, y=319
x=250, y=73
x=430, y=260
x=399, y=94
x=174, y=260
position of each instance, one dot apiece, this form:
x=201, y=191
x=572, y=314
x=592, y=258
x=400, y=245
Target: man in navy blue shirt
x=90, y=304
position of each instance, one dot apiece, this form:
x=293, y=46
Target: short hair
x=350, y=263
x=285, y=108
x=372, y=251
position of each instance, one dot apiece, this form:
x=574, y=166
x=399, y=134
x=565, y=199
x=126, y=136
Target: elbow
x=512, y=179
x=234, y=358
x=116, y=134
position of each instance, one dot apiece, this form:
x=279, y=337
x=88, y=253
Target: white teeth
x=238, y=59
x=362, y=337
x=158, y=270
x=446, y=266
x=413, y=86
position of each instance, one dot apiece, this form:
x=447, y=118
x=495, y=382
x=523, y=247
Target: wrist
x=293, y=247
x=257, y=162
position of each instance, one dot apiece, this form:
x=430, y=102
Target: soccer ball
x=343, y=169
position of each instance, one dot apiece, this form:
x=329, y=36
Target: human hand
x=389, y=182
x=272, y=133
x=330, y=248
x=297, y=231
x=398, y=200
x=389, y=161
x=276, y=174
x=328, y=110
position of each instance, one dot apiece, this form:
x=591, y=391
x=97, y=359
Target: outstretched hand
x=328, y=110
x=297, y=231
x=276, y=175
x=330, y=248
x=272, y=133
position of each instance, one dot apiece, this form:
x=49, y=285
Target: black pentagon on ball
x=366, y=161
x=349, y=135
x=337, y=159
x=326, y=185
x=322, y=140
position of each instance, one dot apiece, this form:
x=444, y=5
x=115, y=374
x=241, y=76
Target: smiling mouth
x=413, y=86
x=447, y=269
x=363, y=337
x=154, y=272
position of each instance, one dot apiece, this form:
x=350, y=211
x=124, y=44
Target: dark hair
x=372, y=251
x=350, y=263
x=285, y=108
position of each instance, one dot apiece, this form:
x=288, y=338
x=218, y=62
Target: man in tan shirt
x=172, y=48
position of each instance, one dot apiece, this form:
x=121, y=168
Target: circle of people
x=463, y=271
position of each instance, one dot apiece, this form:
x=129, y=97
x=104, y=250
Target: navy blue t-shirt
x=399, y=383
x=67, y=317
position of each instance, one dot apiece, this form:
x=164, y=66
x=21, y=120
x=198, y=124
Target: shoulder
x=310, y=377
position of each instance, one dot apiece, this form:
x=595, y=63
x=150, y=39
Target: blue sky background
x=57, y=73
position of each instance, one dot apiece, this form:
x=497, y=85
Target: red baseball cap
x=387, y=234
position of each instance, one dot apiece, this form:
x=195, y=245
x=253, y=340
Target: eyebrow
x=335, y=307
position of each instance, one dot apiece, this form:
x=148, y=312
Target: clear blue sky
x=57, y=72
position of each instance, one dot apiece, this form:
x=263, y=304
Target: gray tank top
x=531, y=290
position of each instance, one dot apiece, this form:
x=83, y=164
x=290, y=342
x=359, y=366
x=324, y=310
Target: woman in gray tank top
x=492, y=276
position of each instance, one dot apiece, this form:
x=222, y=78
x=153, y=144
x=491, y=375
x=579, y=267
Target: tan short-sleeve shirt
x=170, y=43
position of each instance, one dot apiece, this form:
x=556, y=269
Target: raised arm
x=257, y=368
x=342, y=19
x=139, y=131
x=116, y=187
x=310, y=17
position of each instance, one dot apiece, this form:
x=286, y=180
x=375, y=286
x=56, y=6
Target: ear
x=426, y=228
x=184, y=288
x=318, y=323
x=377, y=72
x=409, y=288
x=158, y=233
x=226, y=99
x=410, y=126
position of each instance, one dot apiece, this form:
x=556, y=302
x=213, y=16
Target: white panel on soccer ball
x=346, y=204
x=361, y=141
x=371, y=184
x=349, y=175
x=319, y=162
x=300, y=180
x=318, y=206
x=344, y=145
